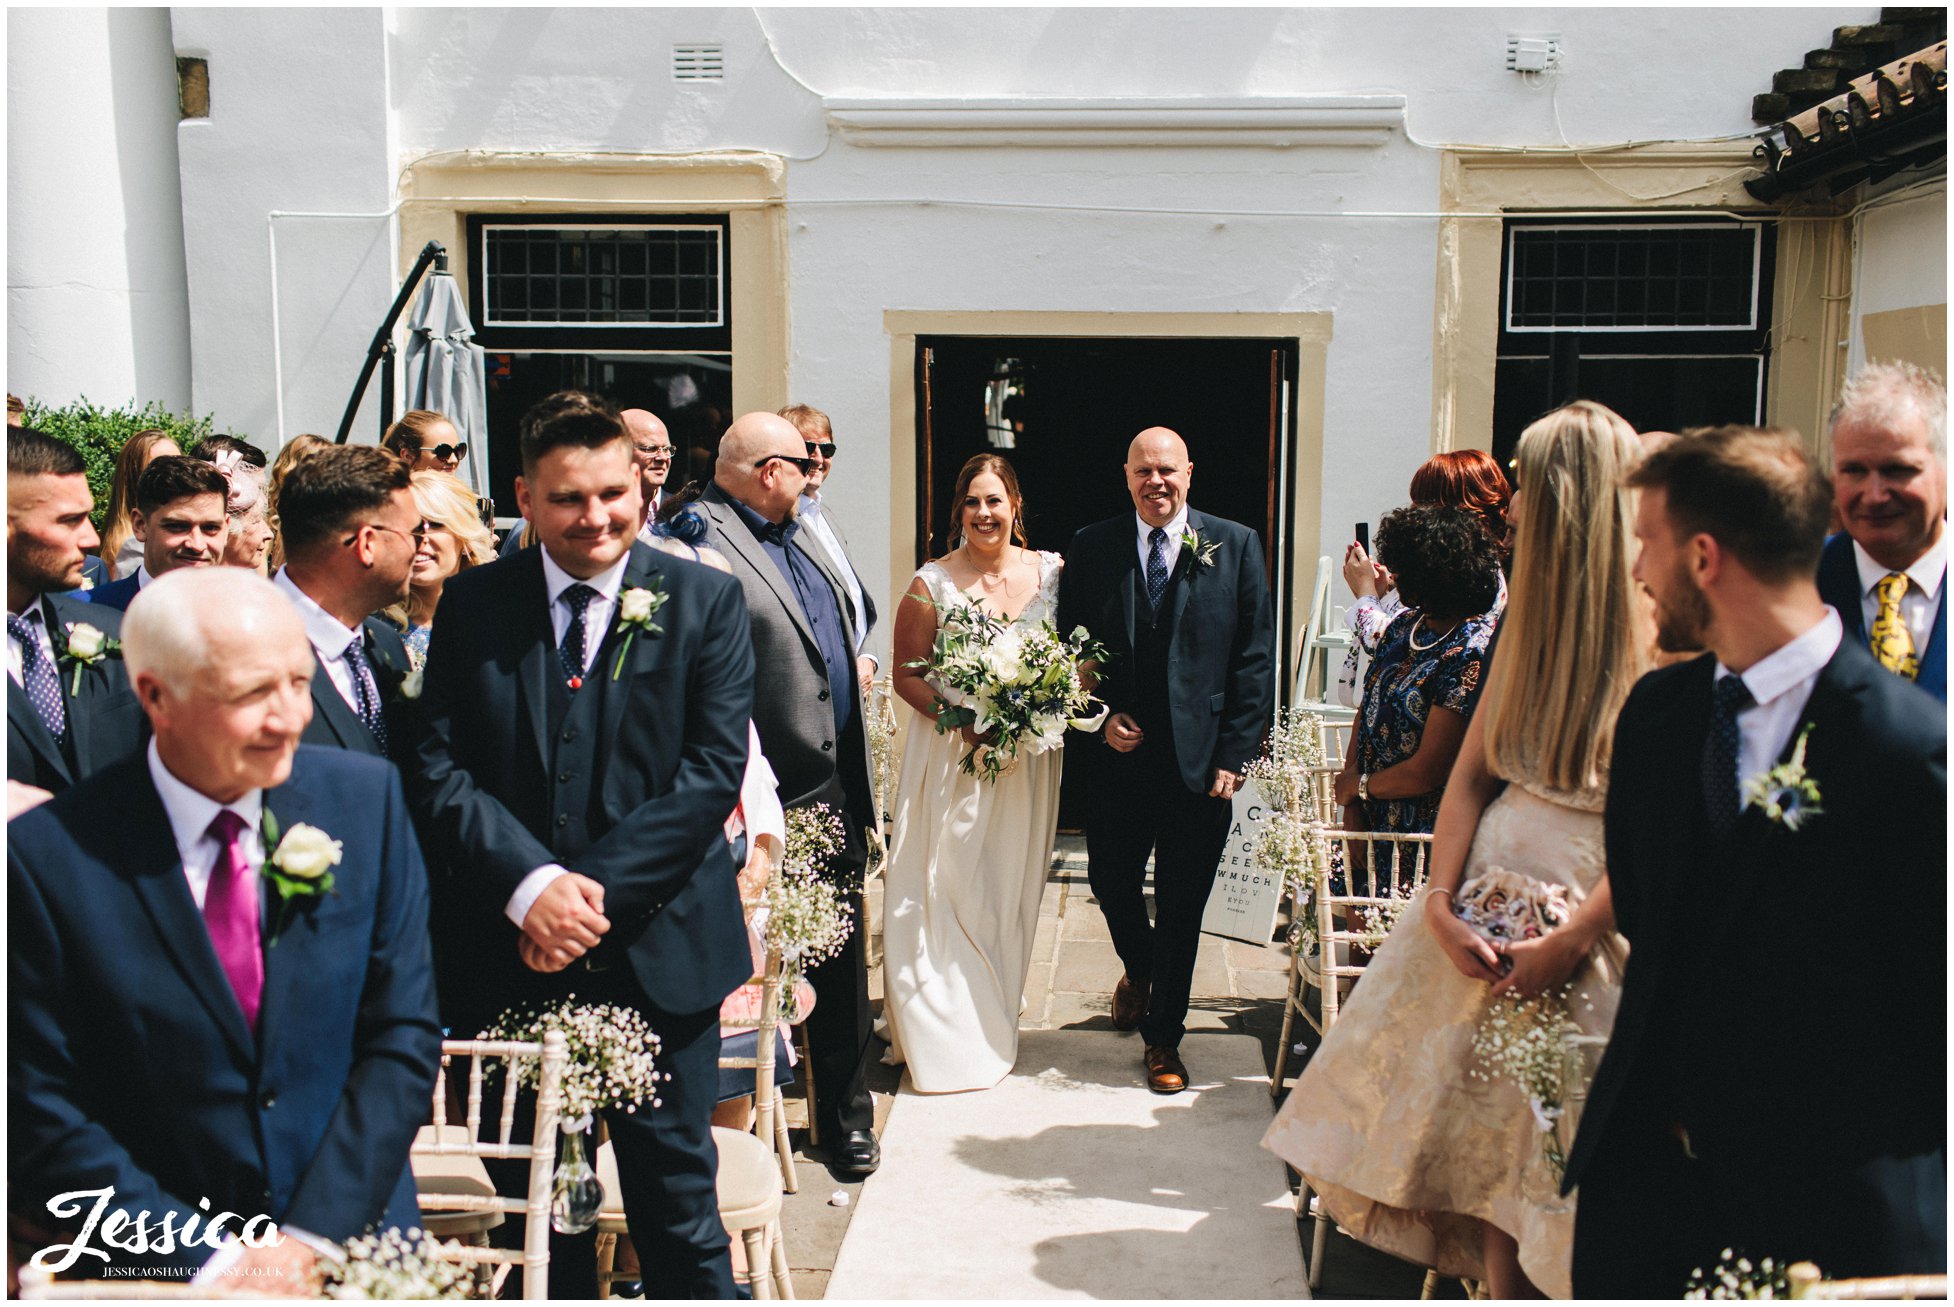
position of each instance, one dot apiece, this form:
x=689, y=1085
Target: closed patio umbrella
x=446, y=371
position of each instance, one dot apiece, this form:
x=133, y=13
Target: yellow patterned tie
x=1892, y=641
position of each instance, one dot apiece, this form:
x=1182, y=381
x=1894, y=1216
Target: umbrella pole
x=382, y=349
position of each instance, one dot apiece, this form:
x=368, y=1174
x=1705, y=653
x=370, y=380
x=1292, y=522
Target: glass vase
x=576, y=1194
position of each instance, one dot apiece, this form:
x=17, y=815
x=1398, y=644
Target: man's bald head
x=775, y=444
x=651, y=448
x=223, y=669
x=1158, y=474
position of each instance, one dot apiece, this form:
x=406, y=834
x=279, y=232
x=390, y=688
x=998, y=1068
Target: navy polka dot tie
x=1156, y=566
x=577, y=599
x=37, y=674
x=1730, y=697
x=366, y=690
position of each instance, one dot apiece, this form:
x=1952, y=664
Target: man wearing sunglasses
x=807, y=707
x=822, y=534
x=350, y=528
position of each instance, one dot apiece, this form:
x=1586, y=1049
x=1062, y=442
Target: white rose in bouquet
x=1005, y=658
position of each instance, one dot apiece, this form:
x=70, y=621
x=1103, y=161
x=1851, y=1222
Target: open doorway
x=1063, y=411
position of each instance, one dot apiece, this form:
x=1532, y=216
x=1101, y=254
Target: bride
x=969, y=858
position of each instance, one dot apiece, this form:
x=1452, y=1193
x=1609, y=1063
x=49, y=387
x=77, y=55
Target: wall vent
x=698, y=63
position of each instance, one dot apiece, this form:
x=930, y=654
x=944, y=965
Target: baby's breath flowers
x=1291, y=844
x=1382, y=918
x=395, y=1266
x=613, y=1056
x=808, y=916
x=1523, y=1040
x=1736, y=1277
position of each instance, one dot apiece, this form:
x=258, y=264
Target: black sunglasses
x=825, y=449
x=444, y=452
x=806, y=465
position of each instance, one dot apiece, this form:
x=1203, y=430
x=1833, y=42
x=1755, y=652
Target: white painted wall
x=96, y=304
x=299, y=121
x=1900, y=248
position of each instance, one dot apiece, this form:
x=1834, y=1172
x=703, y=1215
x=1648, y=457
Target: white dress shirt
x=1922, y=598
x=1780, y=684
x=597, y=620
x=191, y=812
x=329, y=636
x=814, y=519
x=38, y=615
x=1173, y=547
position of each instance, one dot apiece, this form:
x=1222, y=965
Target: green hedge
x=100, y=433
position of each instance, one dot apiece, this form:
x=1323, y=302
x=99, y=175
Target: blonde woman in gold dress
x=1407, y=1148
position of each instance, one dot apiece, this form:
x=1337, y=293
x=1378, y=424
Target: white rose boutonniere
x=88, y=645
x=635, y=609
x=410, y=684
x=1785, y=794
x=1202, y=551
x=298, y=864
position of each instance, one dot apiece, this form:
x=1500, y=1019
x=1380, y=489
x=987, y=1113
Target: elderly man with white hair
x=1885, y=572
x=219, y=979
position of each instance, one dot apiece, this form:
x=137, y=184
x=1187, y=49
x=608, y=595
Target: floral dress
x=1405, y=683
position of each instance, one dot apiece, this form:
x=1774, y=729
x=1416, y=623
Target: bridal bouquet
x=1019, y=683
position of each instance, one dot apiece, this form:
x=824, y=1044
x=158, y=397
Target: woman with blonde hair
x=1395, y=1123
x=455, y=541
x=120, y=550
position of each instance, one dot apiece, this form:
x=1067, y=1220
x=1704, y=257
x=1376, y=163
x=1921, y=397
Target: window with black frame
x=636, y=308
x=1667, y=323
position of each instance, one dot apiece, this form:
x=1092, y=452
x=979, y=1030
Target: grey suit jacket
x=842, y=568
x=791, y=707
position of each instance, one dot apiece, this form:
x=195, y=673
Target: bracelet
x=1440, y=889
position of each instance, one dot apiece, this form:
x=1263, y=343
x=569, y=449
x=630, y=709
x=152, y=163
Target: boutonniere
x=298, y=863
x=410, y=684
x=635, y=609
x=88, y=645
x=1201, y=551
x=1785, y=794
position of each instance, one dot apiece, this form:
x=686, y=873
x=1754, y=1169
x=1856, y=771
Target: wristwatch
x=1363, y=787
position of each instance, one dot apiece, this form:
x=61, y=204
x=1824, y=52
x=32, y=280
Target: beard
x=1682, y=615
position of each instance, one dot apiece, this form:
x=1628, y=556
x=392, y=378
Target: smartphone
x=1364, y=537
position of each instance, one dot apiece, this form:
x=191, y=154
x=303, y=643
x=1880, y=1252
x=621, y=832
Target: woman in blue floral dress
x=1430, y=661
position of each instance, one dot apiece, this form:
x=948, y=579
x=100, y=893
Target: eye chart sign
x=1246, y=897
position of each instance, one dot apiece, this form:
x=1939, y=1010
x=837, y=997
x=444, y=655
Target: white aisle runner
x=1070, y=1180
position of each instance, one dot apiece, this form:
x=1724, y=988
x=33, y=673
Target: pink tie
x=231, y=914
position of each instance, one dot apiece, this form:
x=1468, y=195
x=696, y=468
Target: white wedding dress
x=967, y=869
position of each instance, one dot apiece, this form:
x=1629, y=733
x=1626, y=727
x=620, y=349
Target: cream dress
x=967, y=869
x=1408, y=1150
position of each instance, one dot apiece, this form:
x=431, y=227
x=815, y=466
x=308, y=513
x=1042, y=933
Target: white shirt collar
x=143, y=577
x=605, y=583
x=1793, y=663
x=191, y=811
x=1174, y=529
x=326, y=633
x=810, y=506
x=1927, y=571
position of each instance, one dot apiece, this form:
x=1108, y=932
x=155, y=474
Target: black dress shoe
x=857, y=1153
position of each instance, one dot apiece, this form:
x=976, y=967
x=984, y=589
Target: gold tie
x=1892, y=642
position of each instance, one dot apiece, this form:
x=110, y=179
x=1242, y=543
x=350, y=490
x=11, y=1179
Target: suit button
x=569, y=734
x=562, y=819
x=827, y=746
x=269, y=1099
x=563, y=777
x=824, y=696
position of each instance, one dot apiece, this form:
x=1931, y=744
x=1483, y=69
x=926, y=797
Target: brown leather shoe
x=1129, y=1002
x=1165, y=1073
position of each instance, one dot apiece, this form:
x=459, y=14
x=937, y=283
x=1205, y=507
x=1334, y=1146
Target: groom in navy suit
x=1181, y=602
x=585, y=712
x=1763, y=1090
x=183, y=1043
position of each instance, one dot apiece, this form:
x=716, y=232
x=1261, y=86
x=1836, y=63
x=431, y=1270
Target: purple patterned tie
x=231, y=914
x=38, y=676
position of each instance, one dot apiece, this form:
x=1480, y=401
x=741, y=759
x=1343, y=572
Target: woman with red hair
x=1461, y=478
